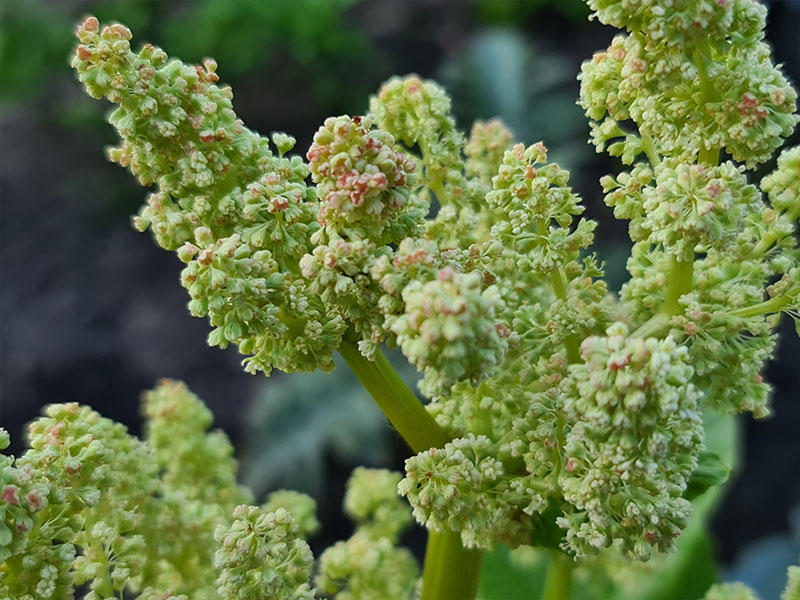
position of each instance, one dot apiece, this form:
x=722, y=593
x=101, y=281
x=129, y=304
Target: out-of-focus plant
x=510, y=12
x=245, y=35
x=560, y=417
x=295, y=422
x=501, y=74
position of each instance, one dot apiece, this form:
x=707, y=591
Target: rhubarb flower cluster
x=369, y=565
x=573, y=414
x=89, y=504
x=239, y=215
x=261, y=555
x=637, y=435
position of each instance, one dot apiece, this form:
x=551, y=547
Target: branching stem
x=400, y=405
x=771, y=306
x=681, y=275
x=451, y=571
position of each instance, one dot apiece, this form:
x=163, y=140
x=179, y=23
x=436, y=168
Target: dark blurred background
x=92, y=312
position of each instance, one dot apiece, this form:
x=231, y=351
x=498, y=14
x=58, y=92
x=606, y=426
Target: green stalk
x=651, y=327
x=400, y=405
x=773, y=305
x=681, y=274
x=650, y=149
x=559, y=577
x=451, y=571
x=709, y=156
x=557, y=281
x=770, y=237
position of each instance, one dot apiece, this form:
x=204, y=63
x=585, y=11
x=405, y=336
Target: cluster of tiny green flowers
x=723, y=94
x=198, y=489
x=366, y=203
x=75, y=533
x=302, y=507
x=361, y=179
x=371, y=500
x=529, y=194
x=792, y=591
x=730, y=591
x=88, y=504
x=261, y=555
x=417, y=113
x=449, y=329
x=484, y=151
x=635, y=443
x=369, y=565
x=683, y=22
x=463, y=487
x=772, y=236
x=222, y=195
x=487, y=144
x=740, y=591
x=692, y=208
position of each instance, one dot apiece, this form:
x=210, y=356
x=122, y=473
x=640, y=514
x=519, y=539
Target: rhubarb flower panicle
x=240, y=216
x=635, y=443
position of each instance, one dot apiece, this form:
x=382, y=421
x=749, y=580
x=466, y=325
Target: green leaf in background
x=501, y=74
x=711, y=471
x=504, y=578
x=297, y=420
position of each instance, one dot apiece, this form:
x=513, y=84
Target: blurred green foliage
x=501, y=74
x=243, y=35
x=511, y=12
x=300, y=420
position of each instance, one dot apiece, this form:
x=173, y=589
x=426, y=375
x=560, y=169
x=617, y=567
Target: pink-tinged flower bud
x=11, y=495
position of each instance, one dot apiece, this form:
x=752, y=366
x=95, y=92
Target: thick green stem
x=559, y=577
x=571, y=344
x=709, y=156
x=681, y=274
x=451, y=571
x=403, y=409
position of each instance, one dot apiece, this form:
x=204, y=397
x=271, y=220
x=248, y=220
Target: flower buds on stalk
x=635, y=444
x=261, y=556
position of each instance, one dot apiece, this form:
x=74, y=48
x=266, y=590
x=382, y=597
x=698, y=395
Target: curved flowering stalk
x=239, y=215
x=695, y=81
